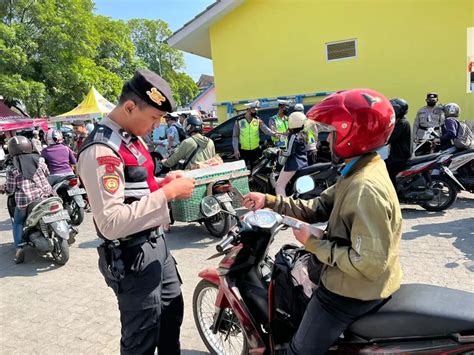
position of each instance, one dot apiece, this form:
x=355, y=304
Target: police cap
x=432, y=95
x=253, y=104
x=284, y=103
x=152, y=89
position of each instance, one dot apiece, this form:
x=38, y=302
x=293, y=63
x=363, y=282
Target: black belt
x=152, y=235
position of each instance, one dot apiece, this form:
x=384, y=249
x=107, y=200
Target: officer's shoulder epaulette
x=102, y=135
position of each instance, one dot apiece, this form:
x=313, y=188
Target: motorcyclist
x=360, y=249
x=59, y=158
x=195, y=148
x=27, y=179
x=37, y=145
x=295, y=154
x=450, y=127
x=400, y=141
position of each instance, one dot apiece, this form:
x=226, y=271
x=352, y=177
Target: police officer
x=431, y=115
x=279, y=123
x=246, y=135
x=128, y=206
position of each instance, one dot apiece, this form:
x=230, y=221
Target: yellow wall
x=268, y=48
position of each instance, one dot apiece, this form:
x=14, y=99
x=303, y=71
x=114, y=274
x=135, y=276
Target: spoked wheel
x=229, y=338
x=445, y=193
x=218, y=225
x=60, y=251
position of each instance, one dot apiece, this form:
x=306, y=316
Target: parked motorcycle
x=427, y=144
x=70, y=192
x=46, y=227
x=462, y=167
x=266, y=171
x=233, y=310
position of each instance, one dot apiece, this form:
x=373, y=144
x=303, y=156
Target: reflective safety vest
x=281, y=126
x=311, y=138
x=249, y=137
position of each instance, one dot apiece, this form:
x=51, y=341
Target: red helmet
x=362, y=119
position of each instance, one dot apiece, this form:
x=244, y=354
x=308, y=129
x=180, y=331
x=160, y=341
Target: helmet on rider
x=299, y=108
x=19, y=145
x=296, y=121
x=360, y=120
x=400, y=107
x=54, y=137
x=193, y=125
x=451, y=110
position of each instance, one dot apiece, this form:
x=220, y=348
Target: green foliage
x=53, y=51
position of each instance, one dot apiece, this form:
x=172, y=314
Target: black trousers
x=393, y=168
x=149, y=296
x=324, y=320
x=250, y=156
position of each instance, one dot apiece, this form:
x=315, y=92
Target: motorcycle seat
x=312, y=169
x=465, y=151
x=65, y=177
x=419, y=310
x=422, y=159
x=31, y=206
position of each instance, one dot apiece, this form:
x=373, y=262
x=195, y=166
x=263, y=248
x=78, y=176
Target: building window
x=341, y=50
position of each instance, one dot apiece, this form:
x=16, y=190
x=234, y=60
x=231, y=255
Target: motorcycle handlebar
x=226, y=242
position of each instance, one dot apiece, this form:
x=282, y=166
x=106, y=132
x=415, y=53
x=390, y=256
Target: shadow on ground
x=34, y=264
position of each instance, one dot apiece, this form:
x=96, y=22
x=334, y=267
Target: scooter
x=427, y=144
x=46, y=227
x=462, y=167
x=267, y=169
x=233, y=310
x=70, y=192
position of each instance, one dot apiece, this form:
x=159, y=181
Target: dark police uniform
x=128, y=208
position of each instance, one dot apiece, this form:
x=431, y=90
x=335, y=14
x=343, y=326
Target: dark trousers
x=250, y=156
x=393, y=168
x=324, y=320
x=149, y=296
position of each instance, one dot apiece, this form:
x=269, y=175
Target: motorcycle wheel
x=229, y=339
x=442, y=187
x=218, y=225
x=75, y=212
x=61, y=251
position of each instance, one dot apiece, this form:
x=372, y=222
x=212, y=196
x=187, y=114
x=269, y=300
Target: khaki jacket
x=364, y=230
x=205, y=150
x=427, y=117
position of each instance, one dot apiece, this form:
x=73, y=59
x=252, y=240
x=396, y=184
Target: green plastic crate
x=190, y=209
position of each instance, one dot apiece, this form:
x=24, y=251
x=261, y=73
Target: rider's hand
x=2, y=189
x=254, y=201
x=179, y=189
x=302, y=234
x=237, y=154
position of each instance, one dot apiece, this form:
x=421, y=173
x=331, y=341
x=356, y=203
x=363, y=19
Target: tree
x=149, y=36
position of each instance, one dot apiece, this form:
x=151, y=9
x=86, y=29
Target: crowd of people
x=130, y=205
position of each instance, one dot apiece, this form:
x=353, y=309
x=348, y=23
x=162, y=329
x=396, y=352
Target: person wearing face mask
x=431, y=115
x=279, y=123
x=246, y=135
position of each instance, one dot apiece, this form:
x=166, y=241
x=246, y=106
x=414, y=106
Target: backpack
x=464, y=137
x=181, y=133
x=294, y=270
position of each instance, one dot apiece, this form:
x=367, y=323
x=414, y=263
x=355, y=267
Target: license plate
x=223, y=198
x=76, y=191
x=56, y=217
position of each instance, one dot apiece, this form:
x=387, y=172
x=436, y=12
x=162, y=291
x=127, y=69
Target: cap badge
x=156, y=96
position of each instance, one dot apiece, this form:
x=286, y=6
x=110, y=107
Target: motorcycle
x=70, y=192
x=427, y=181
x=427, y=144
x=233, y=310
x=267, y=169
x=462, y=167
x=46, y=227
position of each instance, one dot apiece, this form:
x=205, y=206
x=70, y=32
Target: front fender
x=211, y=275
x=61, y=228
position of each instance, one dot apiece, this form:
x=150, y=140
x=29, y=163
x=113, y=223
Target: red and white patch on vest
x=110, y=163
x=111, y=183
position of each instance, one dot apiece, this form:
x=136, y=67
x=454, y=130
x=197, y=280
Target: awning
x=93, y=106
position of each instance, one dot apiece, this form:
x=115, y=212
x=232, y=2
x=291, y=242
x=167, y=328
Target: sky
x=175, y=12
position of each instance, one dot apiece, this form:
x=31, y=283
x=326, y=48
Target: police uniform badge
x=111, y=183
x=242, y=124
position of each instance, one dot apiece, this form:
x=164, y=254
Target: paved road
x=45, y=309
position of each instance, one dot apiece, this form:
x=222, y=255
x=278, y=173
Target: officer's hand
x=237, y=154
x=176, y=173
x=179, y=189
x=303, y=234
x=254, y=201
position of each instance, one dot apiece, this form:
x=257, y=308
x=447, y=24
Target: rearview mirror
x=304, y=184
x=210, y=206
